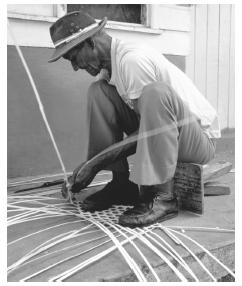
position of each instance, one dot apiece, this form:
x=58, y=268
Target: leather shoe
x=156, y=204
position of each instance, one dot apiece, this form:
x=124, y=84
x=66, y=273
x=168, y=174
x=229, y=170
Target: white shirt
x=134, y=67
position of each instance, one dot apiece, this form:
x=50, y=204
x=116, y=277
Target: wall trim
x=113, y=25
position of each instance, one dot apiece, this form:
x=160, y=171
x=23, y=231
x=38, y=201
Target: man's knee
x=98, y=93
x=155, y=94
x=99, y=98
x=95, y=90
x=101, y=89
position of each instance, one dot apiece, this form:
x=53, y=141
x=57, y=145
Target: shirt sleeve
x=136, y=72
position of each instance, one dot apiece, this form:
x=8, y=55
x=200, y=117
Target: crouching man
x=142, y=95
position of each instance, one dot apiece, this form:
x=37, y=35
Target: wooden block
x=188, y=185
x=216, y=170
x=216, y=189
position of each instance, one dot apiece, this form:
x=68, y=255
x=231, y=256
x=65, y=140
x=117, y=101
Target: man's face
x=84, y=58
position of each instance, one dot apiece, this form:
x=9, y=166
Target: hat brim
x=60, y=51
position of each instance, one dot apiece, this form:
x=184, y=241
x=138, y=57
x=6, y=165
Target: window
x=129, y=13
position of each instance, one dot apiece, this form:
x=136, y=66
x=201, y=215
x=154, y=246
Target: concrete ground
x=226, y=151
x=219, y=212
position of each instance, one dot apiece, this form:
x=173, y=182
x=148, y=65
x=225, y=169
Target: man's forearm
x=84, y=174
x=115, y=152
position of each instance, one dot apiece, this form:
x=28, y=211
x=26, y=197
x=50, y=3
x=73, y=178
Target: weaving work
x=57, y=241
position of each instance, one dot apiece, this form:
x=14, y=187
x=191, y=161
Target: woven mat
x=52, y=240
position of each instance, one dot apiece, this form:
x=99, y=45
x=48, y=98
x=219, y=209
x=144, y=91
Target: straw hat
x=72, y=29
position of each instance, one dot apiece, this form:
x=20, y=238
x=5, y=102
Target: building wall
x=62, y=91
x=199, y=39
x=211, y=61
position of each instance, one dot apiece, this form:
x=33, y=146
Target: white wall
x=30, y=9
x=211, y=61
x=167, y=28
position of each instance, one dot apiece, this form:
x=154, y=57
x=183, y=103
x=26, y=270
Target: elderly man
x=138, y=91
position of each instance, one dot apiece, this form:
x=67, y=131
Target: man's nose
x=74, y=66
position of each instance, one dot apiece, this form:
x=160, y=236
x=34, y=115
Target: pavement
x=219, y=213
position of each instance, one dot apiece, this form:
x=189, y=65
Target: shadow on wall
x=63, y=93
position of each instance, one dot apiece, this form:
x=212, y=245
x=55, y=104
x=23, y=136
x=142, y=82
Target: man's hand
x=82, y=176
x=64, y=190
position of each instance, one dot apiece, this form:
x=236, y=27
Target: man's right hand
x=82, y=176
x=64, y=190
x=71, y=181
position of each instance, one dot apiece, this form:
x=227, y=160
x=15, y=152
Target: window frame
x=60, y=10
x=143, y=16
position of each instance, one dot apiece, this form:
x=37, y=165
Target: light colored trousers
x=168, y=131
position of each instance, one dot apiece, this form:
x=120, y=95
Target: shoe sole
x=167, y=217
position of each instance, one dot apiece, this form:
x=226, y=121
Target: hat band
x=76, y=35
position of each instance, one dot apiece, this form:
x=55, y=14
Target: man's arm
x=84, y=173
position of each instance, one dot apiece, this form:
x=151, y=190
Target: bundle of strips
x=56, y=241
x=60, y=242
